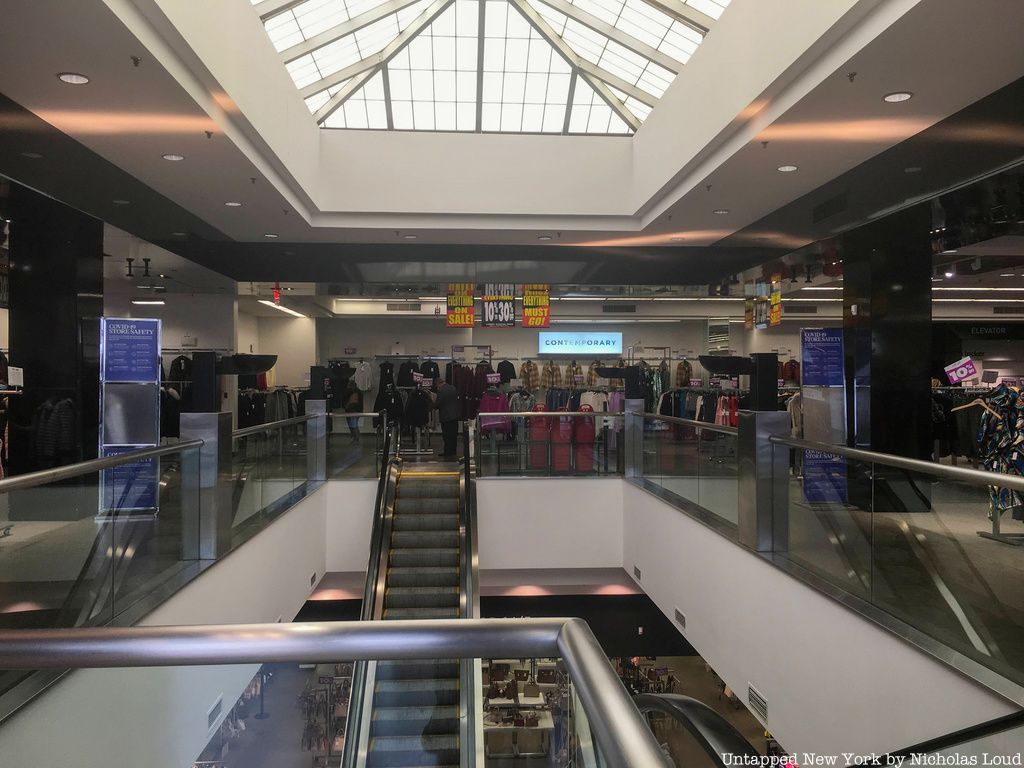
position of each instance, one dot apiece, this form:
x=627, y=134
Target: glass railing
x=355, y=445
x=914, y=540
x=85, y=544
x=691, y=463
x=105, y=541
x=549, y=444
x=571, y=709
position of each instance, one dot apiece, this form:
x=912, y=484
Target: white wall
x=209, y=317
x=550, y=523
x=293, y=340
x=834, y=681
x=247, y=334
x=158, y=717
x=349, y=524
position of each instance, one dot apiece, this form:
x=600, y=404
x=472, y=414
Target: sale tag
x=417, y=377
x=960, y=370
x=494, y=378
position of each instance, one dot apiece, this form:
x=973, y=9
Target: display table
x=524, y=701
x=545, y=722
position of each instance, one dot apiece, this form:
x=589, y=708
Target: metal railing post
x=215, y=512
x=191, y=503
x=316, y=441
x=758, y=476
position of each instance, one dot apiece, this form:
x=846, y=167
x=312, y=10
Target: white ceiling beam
x=362, y=71
x=684, y=13
x=544, y=30
x=611, y=32
x=270, y=8
x=617, y=82
x=344, y=29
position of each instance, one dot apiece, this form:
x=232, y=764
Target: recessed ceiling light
x=270, y=235
x=898, y=96
x=409, y=237
x=72, y=78
x=676, y=239
x=121, y=202
x=720, y=211
x=231, y=204
x=949, y=274
x=173, y=158
x=788, y=168
x=149, y=302
x=32, y=155
x=912, y=169
x=543, y=237
x=177, y=234
x=1007, y=274
x=163, y=276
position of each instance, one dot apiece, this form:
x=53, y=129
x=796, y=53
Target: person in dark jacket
x=448, y=415
x=353, y=404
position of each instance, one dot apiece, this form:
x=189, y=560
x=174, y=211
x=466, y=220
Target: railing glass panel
x=355, y=443
x=549, y=444
x=913, y=539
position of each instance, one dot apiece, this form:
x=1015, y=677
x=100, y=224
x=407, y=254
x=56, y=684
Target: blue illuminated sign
x=559, y=343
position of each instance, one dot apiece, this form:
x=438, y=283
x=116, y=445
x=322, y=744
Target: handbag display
x=531, y=689
x=532, y=721
x=519, y=721
x=522, y=675
x=546, y=676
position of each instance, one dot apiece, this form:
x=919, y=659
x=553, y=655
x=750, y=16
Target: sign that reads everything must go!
x=460, y=305
x=558, y=343
x=536, y=305
x=499, y=305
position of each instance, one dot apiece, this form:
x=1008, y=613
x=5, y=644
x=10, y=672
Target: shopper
x=448, y=415
x=353, y=404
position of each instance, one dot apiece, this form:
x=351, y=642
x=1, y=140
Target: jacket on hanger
x=405, y=372
x=387, y=374
x=430, y=370
x=529, y=375
x=684, y=372
x=363, y=376
x=507, y=371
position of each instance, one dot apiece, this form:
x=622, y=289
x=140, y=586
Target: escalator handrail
x=715, y=735
x=357, y=720
x=963, y=736
x=471, y=727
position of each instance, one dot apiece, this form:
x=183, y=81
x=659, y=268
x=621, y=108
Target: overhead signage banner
x=822, y=354
x=748, y=314
x=597, y=344
x=460, y=305
x=536, y=305
x=963, y=368
x=499, y=305
x=775, y=312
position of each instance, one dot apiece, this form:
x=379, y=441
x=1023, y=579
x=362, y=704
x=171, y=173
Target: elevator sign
x=962, y=369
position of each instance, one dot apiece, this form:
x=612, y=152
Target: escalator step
x=424, y=576
x=416, y=505
x=414, y=721
x=424, y=556
x=420, y=597
x=425, y=539
x=414, y=693
x=408, y=751
x=422, y=613
x=419, y=669
x=426, y=522
x=433, y=488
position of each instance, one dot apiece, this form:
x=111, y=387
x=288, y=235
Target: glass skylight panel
x=432, y=83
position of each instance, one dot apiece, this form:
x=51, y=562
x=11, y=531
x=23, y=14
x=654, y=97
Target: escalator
x=416, y=713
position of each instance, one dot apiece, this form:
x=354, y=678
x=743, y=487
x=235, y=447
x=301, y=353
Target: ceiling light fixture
x=149, y=302
x=979, y=290
x=410, y=237
x=177, y=234
x=676, y=239
x=543, y=237
x=232, y=204
x=72, y=78
x=121, y=202
x=32, y=155
x=721, y=211
x=912, y=169
x=897, y=97
x=949, y=273
x=822, y=288
x=1007, y=274
x=173, y=158
x=788, y=168
x=271, y=235
x=269, y=303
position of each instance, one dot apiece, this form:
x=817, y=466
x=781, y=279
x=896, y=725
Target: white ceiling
x=306, y=185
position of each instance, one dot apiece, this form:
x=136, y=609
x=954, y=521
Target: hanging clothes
x=389, y=400
x=363, y=376
x=999, y=439
x=574, y=375
x=405, y=373
x=507, y=371
x=430, y=370
x=529, y=375
x=551, y=375
x=684, y=373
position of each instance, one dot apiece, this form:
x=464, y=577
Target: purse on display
x=499, y=672
x=531, y=689
x=532, y=721
x=522, y=675
x=519, y=721
x=486, y=676
x=546, y=676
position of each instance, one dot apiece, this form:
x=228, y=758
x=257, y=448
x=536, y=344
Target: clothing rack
x=190, y=350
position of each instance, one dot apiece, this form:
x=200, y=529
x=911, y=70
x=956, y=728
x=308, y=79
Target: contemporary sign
x=558, y=343
x=822, y=354
x=963, y=368
x=460, y=305
x=536, y=305
x=499, y=305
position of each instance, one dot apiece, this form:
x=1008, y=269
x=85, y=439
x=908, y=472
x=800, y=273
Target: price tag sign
x=417, y=377
x=696, y=383
x=962, y=369
x=494, y=378
x=426, y=383
x=499, y=305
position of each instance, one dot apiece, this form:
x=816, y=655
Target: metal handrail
x=549, y=414
x=275, y=425
x=620, y=729
x=715, y=735
x=44, y=476
x=725, y=430
x=962, y=474
x=471, y=726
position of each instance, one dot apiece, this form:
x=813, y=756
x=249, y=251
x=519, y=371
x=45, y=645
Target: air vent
x=830, y=207
x=799, y=309
x=636, y=572
x=680, y=618
x=1008, y=310
x=618, y=308
x=214, y=713
x=758, y=704
x=405, y=307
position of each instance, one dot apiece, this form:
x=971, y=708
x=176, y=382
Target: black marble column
x=887, y=319
x=56, y=300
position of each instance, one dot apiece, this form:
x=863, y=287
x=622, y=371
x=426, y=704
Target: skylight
x=492, y=66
